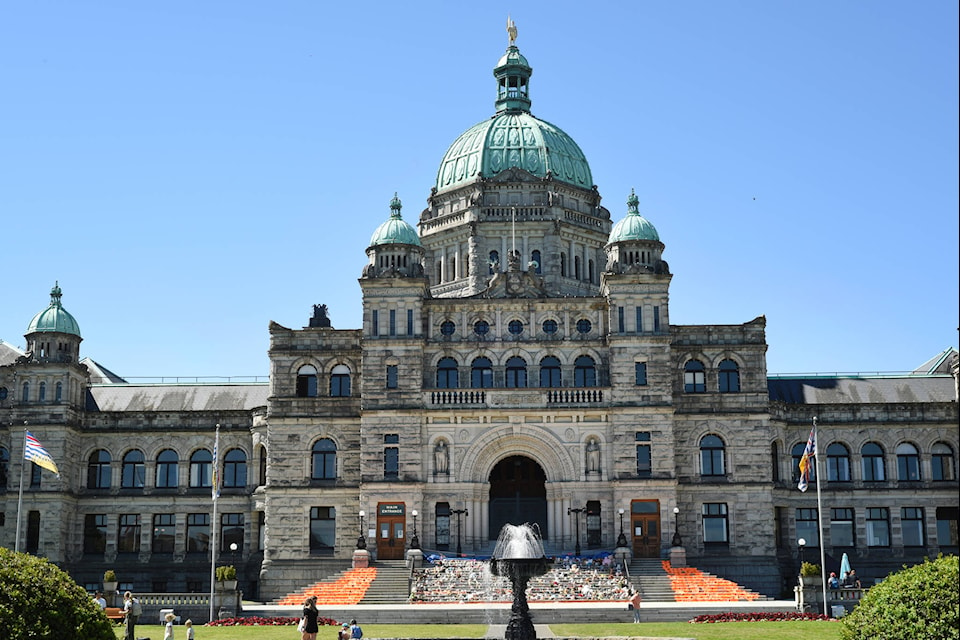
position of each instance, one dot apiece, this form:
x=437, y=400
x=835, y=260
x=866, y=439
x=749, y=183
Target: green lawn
x=801, y=630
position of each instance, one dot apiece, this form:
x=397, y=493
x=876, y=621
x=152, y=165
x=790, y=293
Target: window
x=874, y=469
x=729, y=377
x=128, y=533
x=911, y=525
x=493, y=263
x=941, y=462
x=43, y=392
x=33, y=532
x=576, y=267
x=200, y=463
x=36, y=476
x=639, y=319
x=392, y=376
x=838, y=463
x=391, y=457
x=231, y=531
x=481, y=373
x=808, y=527
x=198, y=532
x=515, y=327
x=262, y=475
x=878, y=527
x=711, y=456
x=594, y=524
x=98, y=470
x=550, y=327
x=447, y=328
x=164, y=533
x=393, y=322
x=324, y=460
x=481, y=328
x=620, y=322
x=694, y=380
x=584, y=372
x=409, y=322
x=340, y=381
x=235, y=469
x=3, y=393
x=134, y=471
x=644, y=461
x=775, y=460
x=26, y=392
x=323, y=529
x=656, y=319
x=563, y=265
x=447, y=374
x=550, y=372
x=537, y=262
x=841, y=528
x=95, y=533
x=168, y=465
x=640, y=373
x=715, y=529
x=908, y=462
x=58, y=393
x=307, y=382
x=516, y=373
x=584, y=326
x=796, y=454
x=375, y=322
x=947, y=526
x=442, y=528
x=4, y=468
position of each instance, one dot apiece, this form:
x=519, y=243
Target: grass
x=801, y=630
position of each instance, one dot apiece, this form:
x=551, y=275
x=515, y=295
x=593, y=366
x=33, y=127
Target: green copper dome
x=513, y=137
x=633, y=226
x=54, y=318
x=395, y=230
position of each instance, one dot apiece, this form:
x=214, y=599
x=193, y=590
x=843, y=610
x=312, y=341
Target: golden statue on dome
x=511, y=30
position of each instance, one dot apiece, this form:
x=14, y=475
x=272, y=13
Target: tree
x=38, y=600
x=921, y=602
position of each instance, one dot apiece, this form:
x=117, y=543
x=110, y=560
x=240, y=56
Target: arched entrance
x=518, y=494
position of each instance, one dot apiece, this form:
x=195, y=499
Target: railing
x=516, y=398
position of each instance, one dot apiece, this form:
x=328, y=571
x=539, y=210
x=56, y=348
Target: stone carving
x=320, y=318
x=441, y=459
x=593, y=456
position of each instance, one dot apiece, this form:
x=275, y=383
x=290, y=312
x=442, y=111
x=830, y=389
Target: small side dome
x=633, y=226
x=54, y=319
x=395, y=230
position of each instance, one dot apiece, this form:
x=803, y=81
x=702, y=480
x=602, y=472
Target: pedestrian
x=344, y=633
x=310, y=615
x=355, y=630
x=131, y=614
x=635, y=605
x=188, y=625
x=168, y=631
x=100, y=600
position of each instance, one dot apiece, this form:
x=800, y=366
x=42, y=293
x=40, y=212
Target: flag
x=806, y=460
x=35, y=452
x=215, y=476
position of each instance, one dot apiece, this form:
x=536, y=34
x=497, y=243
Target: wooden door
x=391, y=531
x=645, y=528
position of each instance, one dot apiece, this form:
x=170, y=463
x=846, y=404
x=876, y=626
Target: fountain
x=518, y=556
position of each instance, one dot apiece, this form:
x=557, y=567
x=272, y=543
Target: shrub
x=228, y=572
x=808, y=569
x=109, y=576
x=920, y=602
x=38, y=600
x=758, y=616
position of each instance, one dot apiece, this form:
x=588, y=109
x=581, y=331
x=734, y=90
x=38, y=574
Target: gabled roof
x=8, y=353
x=99, y=374
x=903, y=389
x=940, y=363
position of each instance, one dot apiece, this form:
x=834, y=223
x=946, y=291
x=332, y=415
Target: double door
x=645, y=528
x=391, y=531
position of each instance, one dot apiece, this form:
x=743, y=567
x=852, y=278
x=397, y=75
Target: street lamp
x=414, y=541
x=361, y=540
x=459, y=512
x=578, y=511
x=621, y=539
x=677, y=542
x=801, y=543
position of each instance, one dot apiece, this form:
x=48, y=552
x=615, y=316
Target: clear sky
x=190, y=171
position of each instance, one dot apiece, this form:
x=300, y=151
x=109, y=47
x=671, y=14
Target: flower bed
x=773, y=616
x=275, y=621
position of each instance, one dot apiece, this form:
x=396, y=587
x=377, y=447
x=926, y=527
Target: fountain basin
x=514, y=568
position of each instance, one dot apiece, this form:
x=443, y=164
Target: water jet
x=518, y=556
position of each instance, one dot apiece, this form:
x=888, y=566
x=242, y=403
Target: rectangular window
x=644, y=464
x=391, y=457
x=375, y=322
x=198, y=532
x=807, y=527
x=323, y=529
x=95, y=533
x=231, y=531
x=392, y=376
x=261, y=530
x=409, y=322
x=878, y=527
x=640, y=373
x=911, y=525
x=947, y=535
x=715, y=526
x=841, y=528
x=164, y=533
x=639, y=319
x=620, y=328
x=393, y=322
x=443, y=525
x=128, y=533
x=33, y=528
x=656, y=319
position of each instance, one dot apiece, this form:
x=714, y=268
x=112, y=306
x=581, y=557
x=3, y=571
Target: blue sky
x=190, y=171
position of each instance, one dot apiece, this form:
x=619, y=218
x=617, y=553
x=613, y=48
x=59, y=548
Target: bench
x=114, y=614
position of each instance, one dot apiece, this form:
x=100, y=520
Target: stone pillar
x=678, y=556
x=361, y=558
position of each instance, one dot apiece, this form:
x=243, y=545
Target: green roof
x=54, y=319
x=395, y=230
x=634, y=226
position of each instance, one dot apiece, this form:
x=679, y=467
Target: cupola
x=634, y=244
x=395, y=249
x=53, y=334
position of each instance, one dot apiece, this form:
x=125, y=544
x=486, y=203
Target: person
x=635, y=605
x=131, y=613
x=188, y=626
x=344, y=632
x=852, y=581
x=355, y=630
x=310, y=614
x=833, y=583
x=168, y=631
x=100, y=600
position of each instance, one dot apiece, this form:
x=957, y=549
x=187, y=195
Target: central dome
x=513, y=138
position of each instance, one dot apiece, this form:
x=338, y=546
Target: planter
x=227, y=585
x=811, y=581
x=110, y=587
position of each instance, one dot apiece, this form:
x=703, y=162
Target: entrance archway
x=518, y=494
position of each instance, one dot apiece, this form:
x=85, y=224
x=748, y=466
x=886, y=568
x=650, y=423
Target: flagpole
x=213, y=524
x=823, y=557
x=23, y=463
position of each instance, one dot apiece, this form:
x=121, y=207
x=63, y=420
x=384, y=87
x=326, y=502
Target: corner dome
x=54, y=319
x=395, y=230
x=634, y=226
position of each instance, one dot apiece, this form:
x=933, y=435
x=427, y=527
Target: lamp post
x=801, y=543
x=361, y=540
x=576, y=520
x=677, y=542
x=414, y=541
x=459, y=512
x=621, y=539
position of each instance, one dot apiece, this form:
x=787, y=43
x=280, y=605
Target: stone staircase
x=649, y=578
x=391, y=585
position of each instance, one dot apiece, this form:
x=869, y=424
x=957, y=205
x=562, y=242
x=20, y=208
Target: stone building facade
x=516, y=363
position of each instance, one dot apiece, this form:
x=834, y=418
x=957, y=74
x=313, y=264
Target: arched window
x=447, y=375
x=307, y=382
x=493, y=263
x=796, y=454
x=58, y=394
x=235, y=468
x=729, y=377
x=694, y=380
x=98, y=470
x=537, y=262
x=43, y=392
x=584, y=372
x=324, y=460
x=340, y=381
x=516, y=373
x=576, y=267
x=134, y=471
x=908, y=462
x=4, y=468
x=200, y=469
x=872, y=463
x=550, y=372
x=941, y=462
x=26, y=392
x=481, y=373
x=838, y=463
x=168, y=469
x=711, y=456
